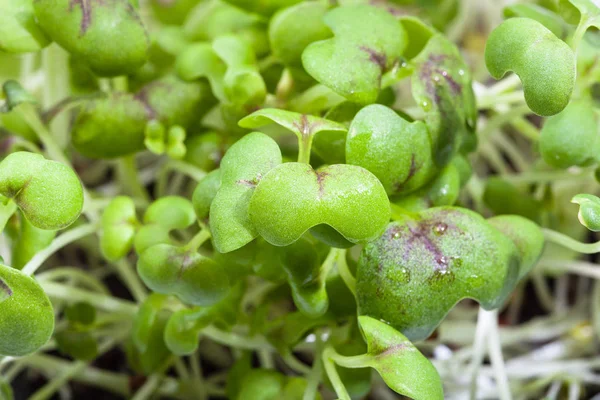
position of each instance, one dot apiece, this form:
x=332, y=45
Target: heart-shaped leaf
x=23, y=328
x=118, y=223
x=589, y=211
x=293, y=198
x=294, y=28
x=365, y=53
x=403, y=368
x=527, y=237
x=571, y=137
x=422, y=266
x=94, y=32
x=47, y=192
x=162, y=216
x=544, y=63
x=397, y=152
x=442, y=86
x=19, y=32
x=242, y=168
x=195, y=279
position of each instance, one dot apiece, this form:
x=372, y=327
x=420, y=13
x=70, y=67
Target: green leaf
x=15, y=94
x=204, y=194
x=544, y=63
x=29, y=241
x=242, y=168
x=19, y=32
x=397, y=152
x=527, y=237
x=302, y=263
x=153, y=354
x=293, y=197
x=94, y=32
x=20, y=336
x=261, y=384
x=145, y=319
x=193, y=278
x=48, y=193
x=403, y=368
x=503, y=197
x=589, y=211
x=118, y=223
x=80, y=314
x=182, y=333
x=301, y=124
x=442, y=86
x=570, y=138
x=162, y=216
x=422, y=266
x=365, y=53
x=265, y=7
x=77, y=344
x=294, y=28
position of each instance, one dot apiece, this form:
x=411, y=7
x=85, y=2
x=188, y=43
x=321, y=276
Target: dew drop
x=396, y=235
x=436, y=78
x=461, y=72
x=444, y=73
x=404, y=64
x=425, y=105
x=476, y=281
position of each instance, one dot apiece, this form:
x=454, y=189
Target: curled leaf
x=403, y=368
x=589, y=211
x=48, y=193
x=544, y=63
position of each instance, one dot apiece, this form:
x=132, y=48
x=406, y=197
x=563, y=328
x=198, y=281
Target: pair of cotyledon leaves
x=164, y=266
x=531, y=46
x=90, y=30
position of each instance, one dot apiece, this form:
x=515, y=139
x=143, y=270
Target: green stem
x=582, y=268
x=148, y=388
x=56, y=87
x=78, y=275
x=130, y=181
x=293, y=362
x=55, y=384
x=234, y=340
x=187, y=169
x=30, y=115
x=57, y=244
x=198, y=240
x=313, y=378
x=334, y=377
x=570, y=243
x=110, y=381
x=131, y=280
x=304, y=147
x=344, y=271
x=103, y=302
x=579, y=33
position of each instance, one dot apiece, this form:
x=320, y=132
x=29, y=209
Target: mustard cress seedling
x=299, y=200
